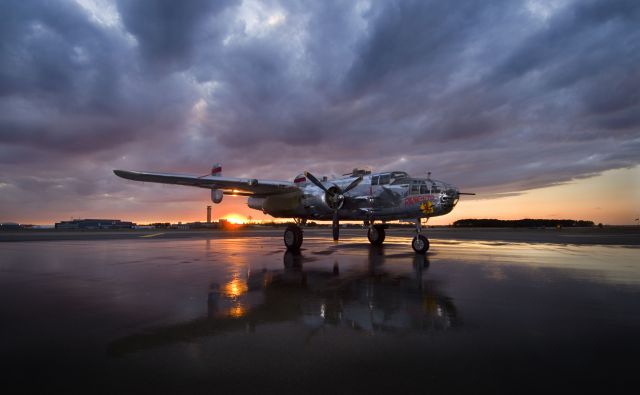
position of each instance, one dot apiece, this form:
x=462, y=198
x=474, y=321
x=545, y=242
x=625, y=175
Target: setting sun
x=235, y=219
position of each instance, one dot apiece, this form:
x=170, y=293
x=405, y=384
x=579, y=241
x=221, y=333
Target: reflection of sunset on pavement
x=233, y=290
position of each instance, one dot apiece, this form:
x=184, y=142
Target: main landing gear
x=293, y=237
x=420, y=244
x=376, y=234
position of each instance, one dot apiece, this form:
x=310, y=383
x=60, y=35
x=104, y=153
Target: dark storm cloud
x=166, y=29
x=494, y=96
x=67, y=84
x=591, y=50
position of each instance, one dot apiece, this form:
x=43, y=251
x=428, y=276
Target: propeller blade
x=316, y=182
x=353, y=184
x=336, y=225
x=465, y=193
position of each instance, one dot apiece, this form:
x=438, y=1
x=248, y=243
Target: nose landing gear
x=420, y=244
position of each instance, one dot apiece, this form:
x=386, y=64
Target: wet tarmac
x=239, y=315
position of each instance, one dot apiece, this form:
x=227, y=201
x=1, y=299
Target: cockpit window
x=424, y=189
x=385, y=179
x=399, y=174
x=374, y=180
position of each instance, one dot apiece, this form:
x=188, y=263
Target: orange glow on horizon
x=236, y=219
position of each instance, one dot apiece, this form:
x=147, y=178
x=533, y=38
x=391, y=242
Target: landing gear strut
x=293, y=237
x=335, y=226
x=420, y=244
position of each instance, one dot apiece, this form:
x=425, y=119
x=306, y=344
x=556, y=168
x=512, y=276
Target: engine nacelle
x=256, y=203
x=279, y=205
x=216, y=195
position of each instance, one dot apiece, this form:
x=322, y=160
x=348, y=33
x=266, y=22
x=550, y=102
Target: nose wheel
x=420, y=244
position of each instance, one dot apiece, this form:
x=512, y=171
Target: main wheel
x=293, y=237
x=376, y=235
x=420, y=244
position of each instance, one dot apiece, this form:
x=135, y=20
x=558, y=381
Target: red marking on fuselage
x=216, y=170
x=413, y=200
x=301, y=179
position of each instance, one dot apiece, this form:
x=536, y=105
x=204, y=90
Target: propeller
x=334, y=196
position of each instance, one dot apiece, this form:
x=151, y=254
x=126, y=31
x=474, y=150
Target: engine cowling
x=333, y=198
x=256, y=203
x=216, y=195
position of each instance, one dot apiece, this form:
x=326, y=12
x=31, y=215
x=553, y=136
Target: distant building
x=144, y=227
x=95, y=224
x=202, y=225
x=9, y=226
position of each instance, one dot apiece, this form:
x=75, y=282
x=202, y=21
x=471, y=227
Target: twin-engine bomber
x=361, y=195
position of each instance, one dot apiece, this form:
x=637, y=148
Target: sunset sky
x=533, y=105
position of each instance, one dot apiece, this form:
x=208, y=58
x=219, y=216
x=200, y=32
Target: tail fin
x=216, y=170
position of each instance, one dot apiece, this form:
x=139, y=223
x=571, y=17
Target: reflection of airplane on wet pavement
x=369, y=301
x=360, y=196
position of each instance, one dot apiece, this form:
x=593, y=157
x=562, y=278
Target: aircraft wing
x=230, y=185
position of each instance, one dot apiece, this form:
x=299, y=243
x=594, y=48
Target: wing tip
x=124, y=173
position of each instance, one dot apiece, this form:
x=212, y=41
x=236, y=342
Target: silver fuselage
x=380, y=196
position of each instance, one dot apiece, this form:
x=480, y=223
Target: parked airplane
x=360, y=195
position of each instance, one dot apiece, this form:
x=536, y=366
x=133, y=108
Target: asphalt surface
x=232, y=312
x=629, y=235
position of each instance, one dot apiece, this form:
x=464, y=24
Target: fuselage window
x=385, y=179
x=374, y=180
x=415, y=188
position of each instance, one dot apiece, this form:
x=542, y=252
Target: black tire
x=420, y=244
x=293, y=237
x=376, y=235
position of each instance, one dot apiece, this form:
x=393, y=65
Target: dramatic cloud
x=498, y=96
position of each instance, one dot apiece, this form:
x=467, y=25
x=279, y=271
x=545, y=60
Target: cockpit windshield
x=394, y=177
x=425, y=187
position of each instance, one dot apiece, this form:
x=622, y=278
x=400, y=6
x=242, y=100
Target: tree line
x=521, y=223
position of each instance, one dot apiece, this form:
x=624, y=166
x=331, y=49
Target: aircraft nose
x=450, y=197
